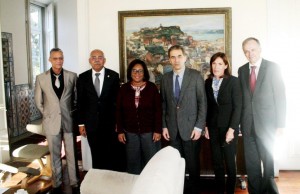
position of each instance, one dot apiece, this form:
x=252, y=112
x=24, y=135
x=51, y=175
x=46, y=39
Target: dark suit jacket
x=267, y=106
x=93, y=111
x=190, y=111
x=227, y=112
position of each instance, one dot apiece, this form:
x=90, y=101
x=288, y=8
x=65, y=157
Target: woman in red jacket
x=139, y=117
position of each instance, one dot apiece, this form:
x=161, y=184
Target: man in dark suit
x=54, y=96
x=97, y=91
x=184, y=110
x=263, y=115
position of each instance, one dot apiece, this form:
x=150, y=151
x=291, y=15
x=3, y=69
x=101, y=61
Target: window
x=37, y=51
x=41, y=37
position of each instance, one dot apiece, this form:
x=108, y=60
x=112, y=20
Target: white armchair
x=164, y=174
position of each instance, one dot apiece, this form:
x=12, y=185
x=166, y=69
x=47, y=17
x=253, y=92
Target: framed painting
x=148, y=34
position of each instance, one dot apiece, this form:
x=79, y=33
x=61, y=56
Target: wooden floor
x=288, y=183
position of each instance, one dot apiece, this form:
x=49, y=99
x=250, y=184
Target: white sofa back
x=164, y=174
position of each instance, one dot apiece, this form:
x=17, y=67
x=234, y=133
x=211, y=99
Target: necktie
x=252, y=79
x=97, y=84
x=177, y=88
x=57, y=82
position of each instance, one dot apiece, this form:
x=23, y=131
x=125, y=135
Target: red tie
x=252, y=79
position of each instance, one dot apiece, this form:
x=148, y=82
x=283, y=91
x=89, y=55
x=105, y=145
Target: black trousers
x=107, y=152
x=190, y=151
x=224, y=157
x=259, y=151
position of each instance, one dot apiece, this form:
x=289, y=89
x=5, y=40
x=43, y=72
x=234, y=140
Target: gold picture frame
x=147, y=35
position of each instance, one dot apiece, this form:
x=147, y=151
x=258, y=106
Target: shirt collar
x=101, y=72
x=180, y=73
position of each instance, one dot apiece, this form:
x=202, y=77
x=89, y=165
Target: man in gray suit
x=263, y=115
x=184, y=111
x=55, y=97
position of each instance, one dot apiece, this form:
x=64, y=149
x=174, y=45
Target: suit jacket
x=267, y=105
x=190, y=111
x=93, y=111
x=57, y=113
x=227, y=112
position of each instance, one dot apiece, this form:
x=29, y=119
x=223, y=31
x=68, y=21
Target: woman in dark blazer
x=224, y=102
x=139, y=117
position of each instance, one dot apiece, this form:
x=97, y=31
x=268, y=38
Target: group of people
x=138, y=115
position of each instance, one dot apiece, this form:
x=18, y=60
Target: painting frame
x=125, y=17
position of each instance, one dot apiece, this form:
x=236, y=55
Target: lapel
x=170, y=86
x=105, y=87
x=223, y=85
x=48, y=81
x=66, y=83
x=210, y=92
x=260, y=76
x=90, y=82
x=246, y=76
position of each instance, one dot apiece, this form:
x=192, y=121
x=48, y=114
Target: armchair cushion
x=107, y=182
x=164, y=174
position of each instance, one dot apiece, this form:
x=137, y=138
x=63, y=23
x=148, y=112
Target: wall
x=100, y=22
x=12, y=14
x=66, y=32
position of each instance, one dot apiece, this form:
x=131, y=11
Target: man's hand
x=196, y=134
x=229, y=135
x=82, y=131
x=165, y=134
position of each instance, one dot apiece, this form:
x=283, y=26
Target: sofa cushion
x=107, y=182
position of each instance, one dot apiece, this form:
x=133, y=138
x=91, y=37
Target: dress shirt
x=180, y=78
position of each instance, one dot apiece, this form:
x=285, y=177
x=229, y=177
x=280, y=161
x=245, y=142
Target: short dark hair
x=143, y=64
x=223, y=56
x=249, y=39
x=176, y=47
x=56, y=50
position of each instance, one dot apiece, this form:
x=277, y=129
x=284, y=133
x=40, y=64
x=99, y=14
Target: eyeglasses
x=95, y=58
x=140, y=71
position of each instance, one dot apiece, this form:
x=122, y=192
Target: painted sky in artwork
x=189, y=22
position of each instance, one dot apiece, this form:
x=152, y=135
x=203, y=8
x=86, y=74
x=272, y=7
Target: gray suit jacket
x=267, y=106
x=56, y=113
x=190, y=111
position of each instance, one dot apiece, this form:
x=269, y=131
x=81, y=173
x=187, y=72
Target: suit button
x=177, y=107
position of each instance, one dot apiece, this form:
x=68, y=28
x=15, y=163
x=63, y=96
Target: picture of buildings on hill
x=149, y=39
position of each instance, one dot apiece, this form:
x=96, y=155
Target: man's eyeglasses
x=137, y=71
x=95, y=58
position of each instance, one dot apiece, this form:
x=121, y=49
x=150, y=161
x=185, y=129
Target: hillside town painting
x=149, y=38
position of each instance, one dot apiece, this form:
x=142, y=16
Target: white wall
x=66, y=32
x=101, y=24
x=12, y=14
